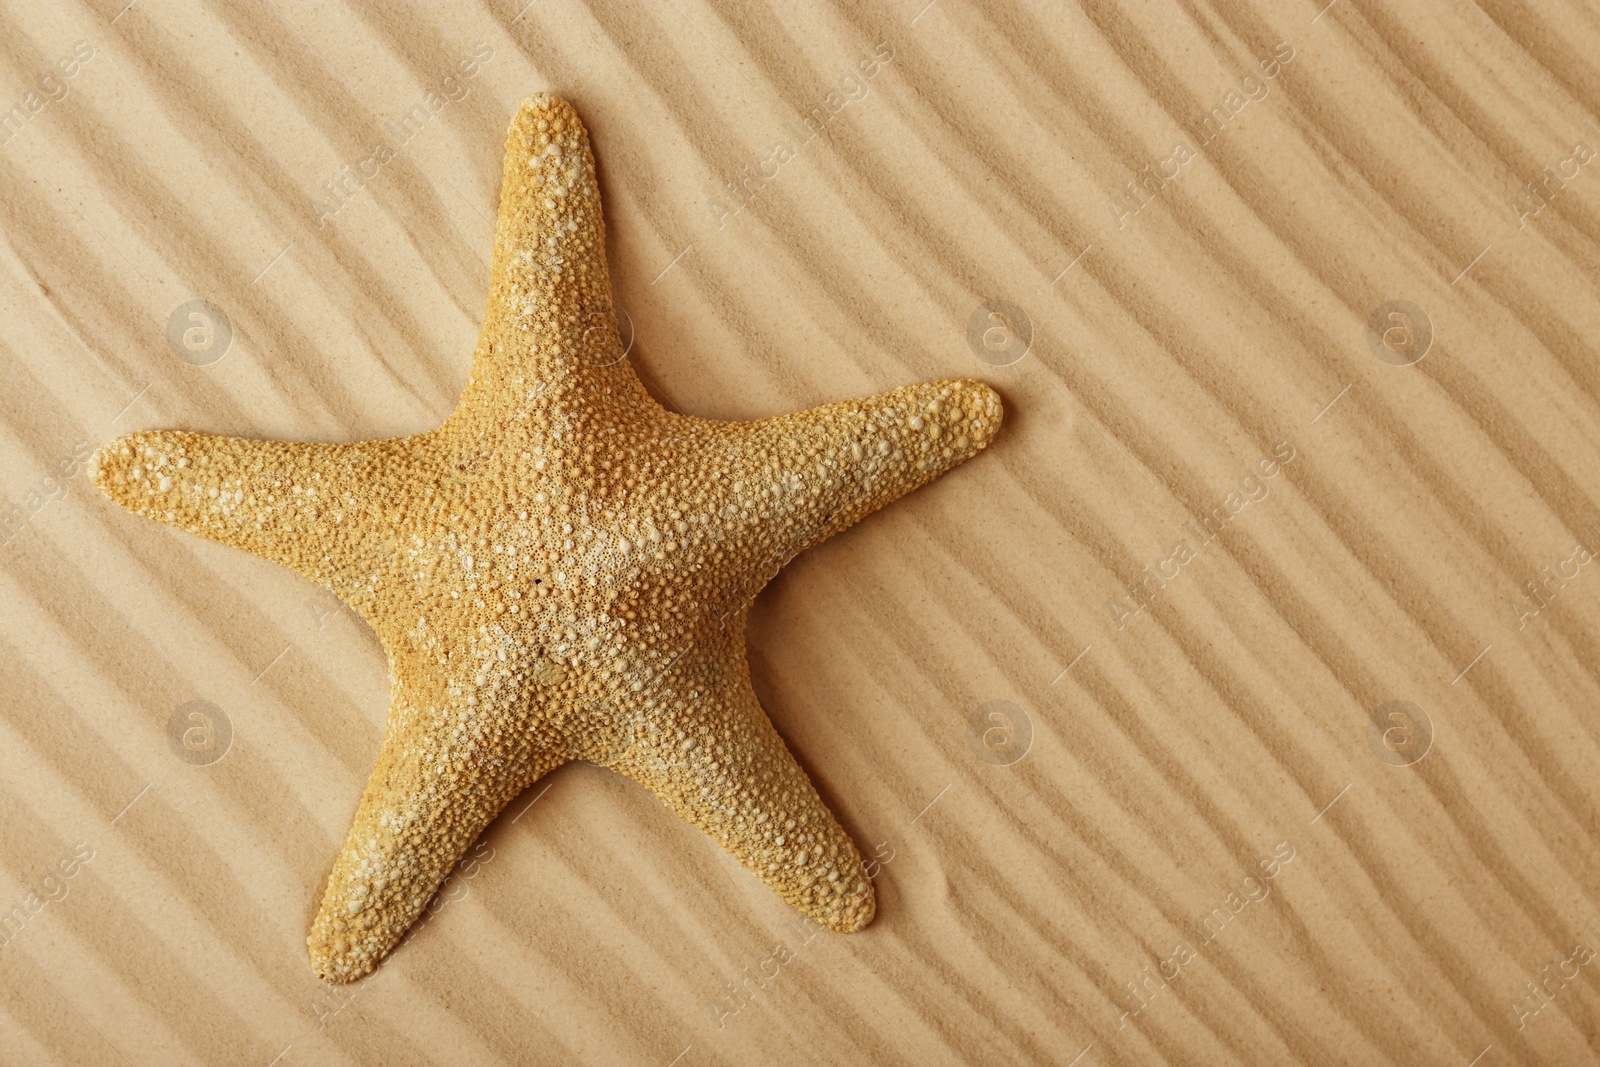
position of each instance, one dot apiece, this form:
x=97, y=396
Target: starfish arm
x=707, y=749
x=825, y=469
x=454, y=755
x=299, y=504
x=549, y=307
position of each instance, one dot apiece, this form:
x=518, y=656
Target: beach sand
x=1236, y=705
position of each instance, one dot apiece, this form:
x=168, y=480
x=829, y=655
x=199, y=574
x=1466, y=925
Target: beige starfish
x=560, y=571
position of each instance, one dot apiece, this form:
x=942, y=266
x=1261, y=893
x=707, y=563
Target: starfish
x=561, y=570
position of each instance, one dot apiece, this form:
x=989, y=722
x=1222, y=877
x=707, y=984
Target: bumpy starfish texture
x=560, y=571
